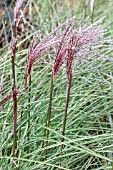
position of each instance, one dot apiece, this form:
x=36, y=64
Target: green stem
x=14, y=92
x=46, y=132
x=65, y=111
x=50, y=105
x=65, y=115
x=69, y=79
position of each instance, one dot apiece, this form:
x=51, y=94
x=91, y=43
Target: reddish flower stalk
x=16, y=17
x=59, y=60
x=14, y=95
x=69, y=78
x=72, y=41
x=13, y=48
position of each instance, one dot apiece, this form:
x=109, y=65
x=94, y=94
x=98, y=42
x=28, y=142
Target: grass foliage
x=88, y=140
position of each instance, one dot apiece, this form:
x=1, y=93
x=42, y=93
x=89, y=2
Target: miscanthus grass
x=65, y=123
x=71, y=42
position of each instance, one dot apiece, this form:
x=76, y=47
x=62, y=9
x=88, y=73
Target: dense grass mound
x=34, y=138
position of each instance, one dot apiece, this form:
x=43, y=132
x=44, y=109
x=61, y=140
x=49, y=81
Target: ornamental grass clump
x=70, y=43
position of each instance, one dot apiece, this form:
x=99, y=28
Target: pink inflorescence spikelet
x=80, y=40
x=17, y=9
x=51, y=40
x=61, y=52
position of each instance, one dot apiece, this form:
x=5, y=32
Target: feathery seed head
x=69, y=42
x=17, y=9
